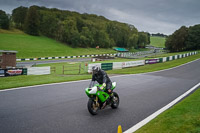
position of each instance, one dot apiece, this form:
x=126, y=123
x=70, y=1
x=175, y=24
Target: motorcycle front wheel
x=92, y=107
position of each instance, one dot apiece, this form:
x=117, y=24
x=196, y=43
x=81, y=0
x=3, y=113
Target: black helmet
x=95, y=69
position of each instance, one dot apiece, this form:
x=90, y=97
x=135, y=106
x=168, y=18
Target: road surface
x=62, y=108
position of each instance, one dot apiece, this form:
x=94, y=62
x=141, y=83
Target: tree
x=49, y=24
x=4, y=20
x=18, y=16
x=70, y=32
x=86, y=38
x=75, y=29
x=142, y=39
x=133, y=41
x=102, y=39
x=148, y=35
x=32, y=21
x=177, y=41
x=168, y=43
x=193, y=41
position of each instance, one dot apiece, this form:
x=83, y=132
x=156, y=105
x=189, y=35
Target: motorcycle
x=99, y=99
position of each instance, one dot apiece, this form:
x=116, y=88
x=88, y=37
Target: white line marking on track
x=151, y=117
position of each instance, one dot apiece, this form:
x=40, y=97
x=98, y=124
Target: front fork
x=96, y=102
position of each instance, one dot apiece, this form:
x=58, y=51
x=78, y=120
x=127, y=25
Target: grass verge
x=20, y=81
x=184, y=117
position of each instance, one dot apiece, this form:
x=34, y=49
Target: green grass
x=39, y=46
x=20, y=81
x=184, y=117
x=157, y=41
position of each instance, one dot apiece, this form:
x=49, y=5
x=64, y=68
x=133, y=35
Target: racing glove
x=103, y=86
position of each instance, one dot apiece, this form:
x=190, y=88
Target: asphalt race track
x=62, y=108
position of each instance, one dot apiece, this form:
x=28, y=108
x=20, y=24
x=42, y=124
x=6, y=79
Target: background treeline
x=77, y=30
x=184, y=39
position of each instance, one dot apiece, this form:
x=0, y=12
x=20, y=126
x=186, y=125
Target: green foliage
x=18, y=16
x=142, y=39
x=77, y=30
x=4, y=20
x=32, y=21
x=177, y=41
x=193, y=40
x=133, y=41
x=184, y=39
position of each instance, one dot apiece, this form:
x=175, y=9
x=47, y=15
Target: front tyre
x=92, y=107
x=115, y=100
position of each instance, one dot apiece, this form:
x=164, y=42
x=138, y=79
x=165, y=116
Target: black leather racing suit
x=101, y=77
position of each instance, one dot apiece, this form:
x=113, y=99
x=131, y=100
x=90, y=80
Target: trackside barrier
x=39, y=70
x=13, y=72
x=106, y=66
x=120, y=65
x=179, y=56
x=63, y=57
x=116, y=65
x=152, y=61
x=133, y=63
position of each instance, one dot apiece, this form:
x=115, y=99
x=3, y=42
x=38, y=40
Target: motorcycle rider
x=102, y=78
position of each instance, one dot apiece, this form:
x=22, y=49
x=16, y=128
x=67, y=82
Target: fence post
x=79, y=68
x=63, y=69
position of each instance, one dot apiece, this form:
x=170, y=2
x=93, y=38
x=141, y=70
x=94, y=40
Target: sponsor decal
x=151, y=61
x=14, y=72
x=132, y=63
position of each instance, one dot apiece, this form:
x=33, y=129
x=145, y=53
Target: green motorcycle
x=99, y=99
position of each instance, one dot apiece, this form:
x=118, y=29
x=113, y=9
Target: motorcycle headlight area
x=93, y=90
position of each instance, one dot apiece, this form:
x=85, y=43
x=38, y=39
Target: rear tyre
x=115, y=100
x=92, y=107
